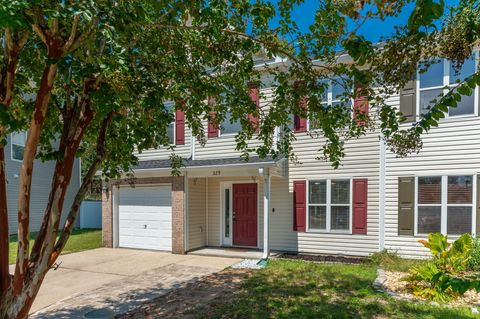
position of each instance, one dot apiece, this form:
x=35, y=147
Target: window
x=445, y=204
x=442, y=76
x=329, y=205
x=335, y=95
x=226, y=212
x=229, y=127
x=18, y=145
x=171, y=127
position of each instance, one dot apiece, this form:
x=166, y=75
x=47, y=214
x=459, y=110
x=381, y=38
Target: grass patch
x=297, y=289
x=391, y=261
x=81, y=239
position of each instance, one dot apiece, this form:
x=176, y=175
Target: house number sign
x=217, y=173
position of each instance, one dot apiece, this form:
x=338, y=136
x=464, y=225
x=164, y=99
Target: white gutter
x=252, y=165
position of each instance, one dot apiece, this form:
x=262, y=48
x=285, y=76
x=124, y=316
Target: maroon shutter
x=360, y=199
x=300, y=124
x=179, y=127
x=254, y=93
x=299, y=205
x=212, y=129
x=360, y=105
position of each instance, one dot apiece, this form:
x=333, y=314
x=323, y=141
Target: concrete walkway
x=121, y=279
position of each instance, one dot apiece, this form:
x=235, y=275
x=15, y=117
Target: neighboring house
x=374, y=201
x=41, y=184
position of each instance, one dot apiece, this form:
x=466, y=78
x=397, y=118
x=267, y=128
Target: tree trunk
x=41, y=106
x=76, y=121
x=72, y=215
x=4, y=238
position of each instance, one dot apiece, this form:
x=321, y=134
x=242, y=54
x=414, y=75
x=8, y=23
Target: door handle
x=233, y=216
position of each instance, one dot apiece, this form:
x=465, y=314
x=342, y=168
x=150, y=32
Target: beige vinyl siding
x=282, y=236
x=214, y=209
x=197, y=217
x=164, y=153
x=361, y=161
x=225, y=146
x=41, y=185
x=452, y=148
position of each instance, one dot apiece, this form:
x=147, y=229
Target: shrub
x=474, y=262
x=444, y=277
x=391, y=261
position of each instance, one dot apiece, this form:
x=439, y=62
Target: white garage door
x=145, y=217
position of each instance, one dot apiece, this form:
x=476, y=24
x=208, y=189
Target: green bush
x=391, y=261
x=474, y=262
x=445, y=276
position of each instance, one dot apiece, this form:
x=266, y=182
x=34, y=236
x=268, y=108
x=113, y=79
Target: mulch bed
x=324, y=258
x=182, y=302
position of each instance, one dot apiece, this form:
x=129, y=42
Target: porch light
x=106, y=190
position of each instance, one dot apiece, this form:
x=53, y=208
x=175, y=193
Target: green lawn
x=81, y=239
x=296, y=289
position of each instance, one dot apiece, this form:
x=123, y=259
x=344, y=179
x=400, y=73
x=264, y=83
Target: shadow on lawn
x=307, y=290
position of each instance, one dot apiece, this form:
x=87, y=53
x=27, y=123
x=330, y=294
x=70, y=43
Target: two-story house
x=41, y=183
x=374, y=201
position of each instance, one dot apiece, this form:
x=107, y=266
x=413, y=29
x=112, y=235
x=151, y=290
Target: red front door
x=245, y=214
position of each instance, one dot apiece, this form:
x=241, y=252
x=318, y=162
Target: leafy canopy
x=145, y=53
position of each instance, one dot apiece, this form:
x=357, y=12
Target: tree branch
x=84, y=36
x=94, y=167
x=73, y=33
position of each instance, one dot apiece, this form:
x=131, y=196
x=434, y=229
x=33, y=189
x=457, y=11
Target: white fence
x=91, y=214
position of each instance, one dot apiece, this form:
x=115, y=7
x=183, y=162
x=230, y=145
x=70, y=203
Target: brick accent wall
x=107, y=217
x=178, y=208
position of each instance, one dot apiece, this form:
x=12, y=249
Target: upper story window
x=445, y=204
x=442, y=76
x=18, y=145
x=329, y=205
x=171, y=127
x=336, y=94
x=227, y=126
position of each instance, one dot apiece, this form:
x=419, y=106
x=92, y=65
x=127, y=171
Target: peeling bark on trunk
x=4, y=238
x=41, y=105
x=76, y=121
x=72, y=215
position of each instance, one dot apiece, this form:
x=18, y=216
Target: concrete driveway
x=121, y=279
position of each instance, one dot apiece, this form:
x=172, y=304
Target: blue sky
x=373, y=30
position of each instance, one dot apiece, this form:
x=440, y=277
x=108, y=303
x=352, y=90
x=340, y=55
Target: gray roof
x=152, y=164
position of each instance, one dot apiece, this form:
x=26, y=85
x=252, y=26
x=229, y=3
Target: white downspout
x=186, y=211
x=381, y=195
x=206, y=211
x=266, y=212
x=192, y=146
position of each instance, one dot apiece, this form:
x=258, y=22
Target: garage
x=145, y=217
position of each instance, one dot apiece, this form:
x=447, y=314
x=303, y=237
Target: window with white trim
x=337, y=89
x=171, y=127
x=18, y=145
x=329, y=205
x=445, y=204
x=227, y=126
x=439, y=78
